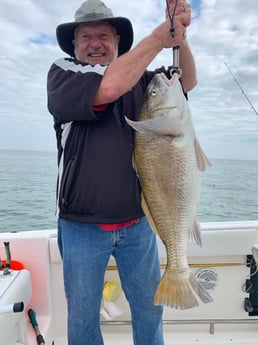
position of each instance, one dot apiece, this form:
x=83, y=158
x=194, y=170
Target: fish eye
x=153, y=92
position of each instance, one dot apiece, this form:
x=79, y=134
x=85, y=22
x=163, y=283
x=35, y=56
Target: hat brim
x=65, y=34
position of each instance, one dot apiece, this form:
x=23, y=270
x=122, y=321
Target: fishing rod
x=240, y=87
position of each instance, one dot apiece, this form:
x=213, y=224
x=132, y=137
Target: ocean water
x=229, y=191
x=27, y=190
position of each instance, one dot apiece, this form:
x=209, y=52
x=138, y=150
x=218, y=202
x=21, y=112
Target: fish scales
x=168, y=160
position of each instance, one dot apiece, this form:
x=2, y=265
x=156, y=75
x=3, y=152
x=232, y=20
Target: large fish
x=169, y=161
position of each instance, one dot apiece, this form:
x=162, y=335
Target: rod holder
x=12, y=308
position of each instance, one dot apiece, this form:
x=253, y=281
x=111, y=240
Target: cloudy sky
x=222, y=33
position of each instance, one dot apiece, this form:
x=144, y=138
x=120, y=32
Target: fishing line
x=243, y=92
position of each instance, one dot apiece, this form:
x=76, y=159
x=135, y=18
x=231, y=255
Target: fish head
x=161, y=95
x=165, y=110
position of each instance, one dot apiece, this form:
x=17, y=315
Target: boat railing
x=210, y=322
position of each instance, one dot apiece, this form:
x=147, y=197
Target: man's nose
x=95, y=42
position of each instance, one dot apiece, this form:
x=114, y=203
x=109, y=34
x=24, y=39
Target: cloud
x=221, y=32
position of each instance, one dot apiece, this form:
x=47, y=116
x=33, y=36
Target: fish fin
x=148, y=215
x=161, y=125
x=179, y=292
x=175, y=292
x=202, y=160
x=195, y=233
x=134, y=163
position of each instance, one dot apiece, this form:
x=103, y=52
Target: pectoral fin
x=161, y=125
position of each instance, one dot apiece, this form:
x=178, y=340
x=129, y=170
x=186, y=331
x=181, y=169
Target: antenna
x=243, y=92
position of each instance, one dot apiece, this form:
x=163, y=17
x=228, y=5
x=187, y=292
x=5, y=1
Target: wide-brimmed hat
x=92, y=11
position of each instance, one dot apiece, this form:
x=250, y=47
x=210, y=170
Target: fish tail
x=179, y=291
x=175, y=292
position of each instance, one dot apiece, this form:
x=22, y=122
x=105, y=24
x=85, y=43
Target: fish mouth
x=163, y=111
x=170, y=81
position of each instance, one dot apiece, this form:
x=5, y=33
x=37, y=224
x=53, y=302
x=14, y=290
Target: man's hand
x=183, y=9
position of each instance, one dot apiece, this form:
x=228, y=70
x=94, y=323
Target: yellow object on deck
x=111, y=291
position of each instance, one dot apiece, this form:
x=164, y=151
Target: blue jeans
x=85, y=250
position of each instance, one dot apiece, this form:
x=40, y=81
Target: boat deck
x=222, y=264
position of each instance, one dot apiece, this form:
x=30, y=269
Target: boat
x=226, y=264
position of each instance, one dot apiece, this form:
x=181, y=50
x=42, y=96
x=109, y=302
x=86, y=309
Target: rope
x=171, y=17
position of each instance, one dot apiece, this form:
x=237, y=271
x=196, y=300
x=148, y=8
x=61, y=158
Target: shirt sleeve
x=71, y=89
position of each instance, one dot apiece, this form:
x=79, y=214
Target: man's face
x=96, y=43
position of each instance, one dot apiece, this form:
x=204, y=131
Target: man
x=98, y=192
